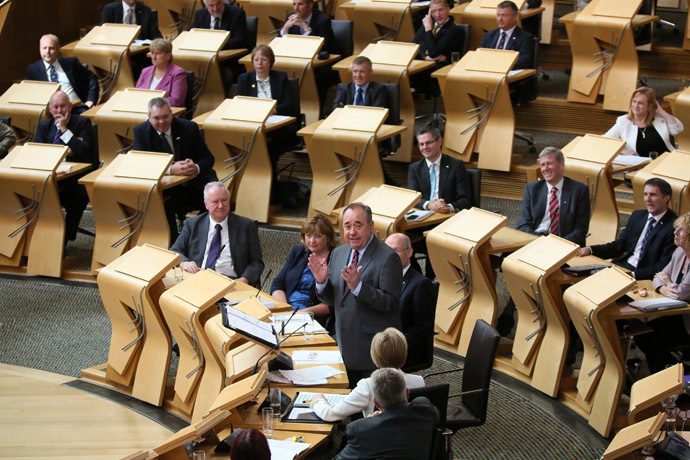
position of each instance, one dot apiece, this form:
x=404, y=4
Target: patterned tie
x=214, y=249
x=216, y=24
x=53, y=74
x=56, y=138
x=359, y=100
x=553, y=211
x=353, y=264
x=166, y=144
x=434, y=30
x=501, y=41
x=129, y=18
x=647, y=235
x=432, y=181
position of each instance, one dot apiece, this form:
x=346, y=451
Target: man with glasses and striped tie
x=361, y=284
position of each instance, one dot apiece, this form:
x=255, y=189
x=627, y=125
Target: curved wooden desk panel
x=375, y=21
x=26, y=103
x=674, y=168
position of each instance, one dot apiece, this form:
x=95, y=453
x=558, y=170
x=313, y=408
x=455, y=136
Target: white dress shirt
x=546, y=221
x=224, y=263
x=65, y=85
x=125, y=10
x=508, y=33
x=634, y=259
x=437, y=169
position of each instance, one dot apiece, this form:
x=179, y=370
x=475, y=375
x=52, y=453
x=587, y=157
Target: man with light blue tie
x=361, y=90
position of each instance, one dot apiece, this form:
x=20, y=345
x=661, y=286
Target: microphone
x=256, y=365
x=282, y=329
x=261, y=286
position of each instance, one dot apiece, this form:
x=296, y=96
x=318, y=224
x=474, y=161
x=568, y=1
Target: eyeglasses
x=424, y=144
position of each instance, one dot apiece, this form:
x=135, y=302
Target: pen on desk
x=307, y=400
x=297, y=438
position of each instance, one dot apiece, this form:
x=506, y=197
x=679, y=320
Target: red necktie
x=353, y=264
x=553, y=211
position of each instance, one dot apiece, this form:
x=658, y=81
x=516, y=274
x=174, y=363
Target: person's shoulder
x=80, y=121
x=449, y=160
x=142, y=127
x=297, y=250
x=112, y=6
x=181, y=123
x=176, y=69
x=278, y=75
x=201, y=13
x=139, y=6
x=235, y=219
x=196, y=220
x=568, y=182
x=232, y=11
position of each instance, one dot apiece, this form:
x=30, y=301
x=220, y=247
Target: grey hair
x=553, y=151
x=214, y=184
x=390, y=390
x=159, y=102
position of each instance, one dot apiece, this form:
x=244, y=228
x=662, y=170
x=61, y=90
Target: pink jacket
x=174, y=83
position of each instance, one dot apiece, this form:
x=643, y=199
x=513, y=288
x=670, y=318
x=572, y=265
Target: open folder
x=299, y=410
x=249, y=326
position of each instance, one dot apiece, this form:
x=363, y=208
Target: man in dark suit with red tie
x=182, y=138
x=66, y=128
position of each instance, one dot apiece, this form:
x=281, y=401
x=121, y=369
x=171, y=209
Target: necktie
x=647, y=235
x=216, y=23
x=56, y=138
x=214, y=249
x=434, y=31
x=166, y=144
x=129, y=18
x=52, y=73
x=353, y=263
x=553, y=211
x=359, y=100
x=501, y=41
x=432, y=181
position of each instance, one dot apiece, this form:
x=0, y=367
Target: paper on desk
x=304, y=396
x=513, y=72
x=294, y=323
x=277, y=377
x=316, y=357
x=630, y=160
x=63, y=169
x=276, y=118
x=286, y=450
x=417, y=214
x=141, y=42
x=311, y=375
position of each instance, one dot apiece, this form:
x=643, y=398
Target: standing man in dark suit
x=398, y=430
x=221, y=241
x=167, y=134
x=78, y=82
x=452, y=190
x=132, y=12
x=645, y=246
x=362, y=283
x=66, y=128
x=437, y=38
x=219, y=16
x=361, y=90
x=508, y=36
x=417, y=304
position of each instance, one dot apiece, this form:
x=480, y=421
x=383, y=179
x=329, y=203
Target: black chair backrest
x=297, y=109
x=479, y=363
x=95, y=157
x=393, y=96
x=464, y=34
x=189, y=97
x=438, y=395
x=343, y=33
x=252, y=28
x=476, y=186
x=535, y=60
x=6, y=120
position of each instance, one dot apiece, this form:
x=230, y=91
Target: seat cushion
x=459, y=416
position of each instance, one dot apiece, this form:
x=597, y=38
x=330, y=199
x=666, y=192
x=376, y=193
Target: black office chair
x=343, y=33
x=470, y=410
x=6, y=120
x=465, y=35
x=525, y=91
x=393, y=96
x=252, y=28
x=190, y=98
x=438, y=396
x=96, y=163
x=476, y=186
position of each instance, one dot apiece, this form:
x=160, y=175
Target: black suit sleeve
x=285, y=98
x=181, y=244
x=487, y=41
x=525, y=46
x=580, y=200
x=527, y=222
x=614, y=249
x=424, y=311
x=140, y=138
x=667, y=247
x=340, y=96
x=443, y=43
x=81, y=142
x=255, y=263
x=279, y=280
x=379, y=97
x=88, y=78
x=242, y=88
x=463, y=188
x=150, y=30
x=413, y=184
x=202, y=155
x=199, y=20
x=238, y=28
x=109, y=14
x=322, y=27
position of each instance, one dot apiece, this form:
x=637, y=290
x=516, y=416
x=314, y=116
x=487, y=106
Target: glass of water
x=454, y=57
x=309, y=328
x=267, y=419
x=274, y=396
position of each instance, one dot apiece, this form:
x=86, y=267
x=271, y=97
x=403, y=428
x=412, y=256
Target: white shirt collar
x=125, y=8
x=558, y=185
x=406, y=269
x=437, y=162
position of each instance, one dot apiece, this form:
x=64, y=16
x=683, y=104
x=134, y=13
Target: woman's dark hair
x=250, y=444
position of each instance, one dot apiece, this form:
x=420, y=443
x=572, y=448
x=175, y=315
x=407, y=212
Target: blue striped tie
x=647, y=235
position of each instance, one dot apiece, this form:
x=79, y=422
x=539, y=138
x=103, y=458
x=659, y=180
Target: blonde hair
x=162, y=45
x=389, y=349
x=683, y=222
x=651, y=102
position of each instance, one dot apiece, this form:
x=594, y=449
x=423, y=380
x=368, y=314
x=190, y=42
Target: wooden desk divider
x=674, y=168
x=187, y=307
x=127, y=204
x=271, y=15
x=197, y=51
x=481, y=119
x=4, y=12
x=27, y=103
x=117, y=118
x=680, y=107
x=541, y=338
x=379, y=20
x=588, y=160
x=240, y=392
x=140, y=345
x=602, y=372
x=30, y=211
x=295, y=55
x=481, y=16
x=174, y=16
x=635, y=437
x=388, y=205
x=458, y=251
x=647, y=394
x=244, y=291
x=106, y=50
x=344, y=159
x=235, y=133
x=604, y=55
x=206, y=430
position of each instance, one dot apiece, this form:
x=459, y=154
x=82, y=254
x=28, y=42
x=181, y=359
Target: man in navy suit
x=630, y=250
x=417, y=304
x=508, y=36
x=66, y=128
x=237, y=251
x=132, y=12
x=182, y=138
x=219, y=16
x=361, y=90
x=78, y=82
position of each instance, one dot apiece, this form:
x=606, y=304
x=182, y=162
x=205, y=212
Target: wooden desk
x=376, y=21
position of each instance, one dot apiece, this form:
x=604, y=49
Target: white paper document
x=286, y=450
x=630, y=160
x=311, y=375
x=417, y=214
x=316, y=357
x=291, y=323
x=303, y=398
x=276, y=118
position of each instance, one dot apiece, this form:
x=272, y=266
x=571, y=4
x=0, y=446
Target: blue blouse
x=301, y=296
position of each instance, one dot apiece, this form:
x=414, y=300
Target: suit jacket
x=417, y=313
x=143, y=15
x=320, y=26
x=245, y=248
x=174, y=83
x=673, y=270
x=656, y=254
x=520, y=41
x=280, y=90
x=84, y=82
x=233, y=19
x=403, y=433
x=625, y=129
x=574, y=209
x=377, y=307
x=454, y=186
x=81, y=142
x=375, y=96
x=188, y=143
x=7, y=139
x=446, y=40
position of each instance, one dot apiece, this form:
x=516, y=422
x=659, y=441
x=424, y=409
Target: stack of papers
x=309, y=376
x=286, y=450
x=316, y=357
x=417, y=214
